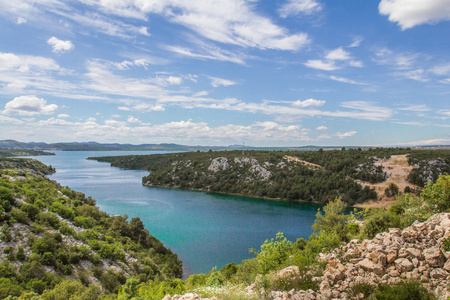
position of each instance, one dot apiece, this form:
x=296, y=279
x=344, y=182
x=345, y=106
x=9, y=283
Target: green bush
x=409, y=290
x=273, y=253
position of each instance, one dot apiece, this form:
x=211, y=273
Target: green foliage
x=438, y=194
x=273, y=253
x=378, y=221
x=72, y=290
x=156, y=290
x=9, y=288
x=392, y=190
x=333, y=219
x=39, y=204
x=409, y=290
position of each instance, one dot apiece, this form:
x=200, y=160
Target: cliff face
x=417, y=252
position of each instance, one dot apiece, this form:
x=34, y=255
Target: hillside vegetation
x=22, y=152
x=318, y=176
x=50, y=234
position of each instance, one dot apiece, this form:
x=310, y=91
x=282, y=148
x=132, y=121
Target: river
x=204, y=229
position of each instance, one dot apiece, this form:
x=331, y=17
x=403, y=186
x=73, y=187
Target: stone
x=438, y=273
x=415, y=262
x=366, y=264
x=447, y=266
x=382, y=259
x=434, y=257
x=413, y=252
x=403, y=265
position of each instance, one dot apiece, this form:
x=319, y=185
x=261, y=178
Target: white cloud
x=346, y=134
x=345, y=80
x=356, y=42
x=338, y=54
x=368, y=110
x=295, y=7
x=132, y=119
x=60, y=46
x=356, y=64
x=142, y=107
x=308, y=103
x=418, y=75
x=11, y=121
x=209, y=52
x=29, y=106
x=418, y=108
x=216, y=82
x=410, y=13
x=21, y=20
x=23, y=63
x=62, y=116
x=231, y=22
x=386, y=56
x=322, y=128
x=442, y=69
x=321, y=65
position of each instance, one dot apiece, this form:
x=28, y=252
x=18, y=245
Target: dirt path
x=310, y=165
x=397, y=169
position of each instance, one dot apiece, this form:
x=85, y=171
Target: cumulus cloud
x=295, y=7
x=308, y=103
x=62, y=116
x=132, y=119
x=342, y=135
x=29, y=106
x=60, y=46
x=322, y=128
x=338, y=54
x=410, y=13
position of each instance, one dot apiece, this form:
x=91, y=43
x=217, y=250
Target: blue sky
x=220, y=72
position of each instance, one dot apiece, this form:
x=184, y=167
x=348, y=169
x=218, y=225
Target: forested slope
x=280, y=174
x=50, y=233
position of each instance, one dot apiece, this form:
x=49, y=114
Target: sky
x=226, y=72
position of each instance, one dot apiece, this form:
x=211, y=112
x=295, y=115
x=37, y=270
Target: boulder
x=366, y=264
x=434, y=257
x=403, y=265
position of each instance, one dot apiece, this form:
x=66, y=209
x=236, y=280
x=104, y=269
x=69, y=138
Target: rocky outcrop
x=413, y=253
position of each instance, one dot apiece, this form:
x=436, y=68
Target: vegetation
x=281, y=175
x=22, y=152
x=49, y=232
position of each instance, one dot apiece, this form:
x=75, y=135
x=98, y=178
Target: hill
x=50, y=233
x=318, y=176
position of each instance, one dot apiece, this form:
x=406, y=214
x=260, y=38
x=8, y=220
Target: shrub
x=409, y=290
x=273, y=253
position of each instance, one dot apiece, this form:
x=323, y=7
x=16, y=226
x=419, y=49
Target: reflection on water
x=204, y=229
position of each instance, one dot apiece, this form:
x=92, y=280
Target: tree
x=438, y=194
x=333, y=218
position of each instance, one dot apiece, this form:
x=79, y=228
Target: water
x=204, y=229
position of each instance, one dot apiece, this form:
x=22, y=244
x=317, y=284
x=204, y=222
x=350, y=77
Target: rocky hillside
x=357, y=268
x=418, y=252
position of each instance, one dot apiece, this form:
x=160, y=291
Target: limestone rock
x=434, y=257
x=403, y=265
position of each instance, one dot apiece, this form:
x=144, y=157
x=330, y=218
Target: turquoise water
x=204, y=229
